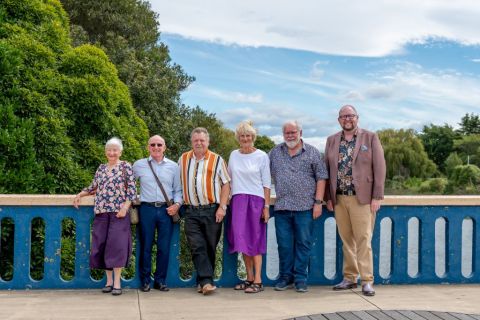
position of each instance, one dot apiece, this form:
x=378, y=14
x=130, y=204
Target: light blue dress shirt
x=168, y=173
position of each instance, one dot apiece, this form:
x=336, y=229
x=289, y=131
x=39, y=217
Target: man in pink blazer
x=356, y=165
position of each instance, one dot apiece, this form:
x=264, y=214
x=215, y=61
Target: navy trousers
x=151, y=219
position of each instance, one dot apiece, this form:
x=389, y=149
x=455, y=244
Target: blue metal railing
x=454, y=216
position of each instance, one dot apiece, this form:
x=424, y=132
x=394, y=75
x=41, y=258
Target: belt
x=346, y=193
x=155, y=204
x=201, y=207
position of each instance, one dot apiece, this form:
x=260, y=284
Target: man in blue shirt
x=154, y=213
x=299, y=175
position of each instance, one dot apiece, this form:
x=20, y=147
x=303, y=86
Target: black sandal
x=243, y=285
x=254, y=288
x=116, y=291
x=107, y=289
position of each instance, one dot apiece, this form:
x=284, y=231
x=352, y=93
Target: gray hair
x=292, y=122
x=114, y=142
x=245, y=127
x=200, y=130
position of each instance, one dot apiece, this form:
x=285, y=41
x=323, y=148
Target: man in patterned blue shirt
x=299, y=175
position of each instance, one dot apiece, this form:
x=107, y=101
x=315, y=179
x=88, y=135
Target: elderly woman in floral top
x=114, y=188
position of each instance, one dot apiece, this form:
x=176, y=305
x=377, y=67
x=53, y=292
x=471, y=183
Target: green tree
x=468, y=148
x=433, y=186
x=438, y=143
x=128, y=32
x=452, y=161
x=466, y=178
x=405, y=155
x=470, y=124
x=264, y=143
x=58, y=105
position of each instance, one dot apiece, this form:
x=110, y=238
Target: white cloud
x=410, y=97
x=402, y=95
x=342, y=27
x=232, y=96
x=270, y=118
x=317, y=70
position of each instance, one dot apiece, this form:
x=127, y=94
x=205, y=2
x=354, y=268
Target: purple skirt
x=111, y=241
x=248, y=232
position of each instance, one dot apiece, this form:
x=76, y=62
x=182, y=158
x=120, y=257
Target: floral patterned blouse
x=345, y=159
x=112, y=188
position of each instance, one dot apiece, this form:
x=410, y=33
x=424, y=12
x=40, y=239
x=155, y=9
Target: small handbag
x=133, y=213
x=133, y=210
x=176, y=216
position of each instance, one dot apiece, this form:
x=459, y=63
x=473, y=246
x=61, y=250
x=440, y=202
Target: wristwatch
x=320, y=202
x=224, y=207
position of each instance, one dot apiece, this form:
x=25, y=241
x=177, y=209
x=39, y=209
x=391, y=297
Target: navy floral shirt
x=112, y=188
x=296, y=177
x=345, y=159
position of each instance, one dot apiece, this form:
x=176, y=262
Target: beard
x=349, y=127
x=292, y=144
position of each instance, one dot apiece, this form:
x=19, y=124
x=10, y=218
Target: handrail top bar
x=66, y=200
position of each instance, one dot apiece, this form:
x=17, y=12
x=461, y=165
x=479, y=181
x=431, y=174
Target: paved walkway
x=232, y=305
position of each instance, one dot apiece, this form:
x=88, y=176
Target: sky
x=401, y=63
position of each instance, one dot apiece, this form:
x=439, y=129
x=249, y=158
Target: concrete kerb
x=230, y=304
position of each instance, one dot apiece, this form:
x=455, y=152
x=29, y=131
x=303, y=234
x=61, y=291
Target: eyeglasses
x=290, y=133
x=347, y=116
x=153, y=145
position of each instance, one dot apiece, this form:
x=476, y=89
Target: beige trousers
x=355, y=225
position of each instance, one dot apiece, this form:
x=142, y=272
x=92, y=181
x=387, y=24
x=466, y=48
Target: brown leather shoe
x=367, y=290
x=344, y=285
x=208, y=289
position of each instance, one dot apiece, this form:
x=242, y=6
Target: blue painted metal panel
x=53, y=216
x=426, y=249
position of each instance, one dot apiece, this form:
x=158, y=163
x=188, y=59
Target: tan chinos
x=355, y=225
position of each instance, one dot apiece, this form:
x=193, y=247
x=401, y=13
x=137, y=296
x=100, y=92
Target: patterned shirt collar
x=342, y=137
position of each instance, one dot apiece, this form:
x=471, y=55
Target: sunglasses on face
x=153, y=145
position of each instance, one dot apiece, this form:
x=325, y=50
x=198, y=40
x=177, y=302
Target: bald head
x=156, y=138
x=156, y=147
x=348, y=109
x=348, y=118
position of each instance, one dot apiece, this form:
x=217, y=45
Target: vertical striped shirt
x=202, y=179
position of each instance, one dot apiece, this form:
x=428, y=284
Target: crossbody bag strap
x=159, y=183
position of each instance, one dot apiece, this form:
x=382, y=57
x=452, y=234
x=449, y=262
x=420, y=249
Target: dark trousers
x=151, y=219
x=294, y=231
x=203, y=234
x=111, y=241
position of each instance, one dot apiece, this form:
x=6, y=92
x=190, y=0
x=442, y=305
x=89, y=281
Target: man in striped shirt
x=206, y=187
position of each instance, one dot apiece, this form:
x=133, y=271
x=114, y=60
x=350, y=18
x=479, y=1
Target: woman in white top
x=249, y=169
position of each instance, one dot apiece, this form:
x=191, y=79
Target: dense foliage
x=58, y=104
x=128, y=32
x=405, y=155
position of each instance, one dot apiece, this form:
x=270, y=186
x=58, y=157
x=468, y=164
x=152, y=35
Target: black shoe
x=160, y=286
x=145, y=287
x=345, y=285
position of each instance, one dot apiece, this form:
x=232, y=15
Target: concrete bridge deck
x=232, y=305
